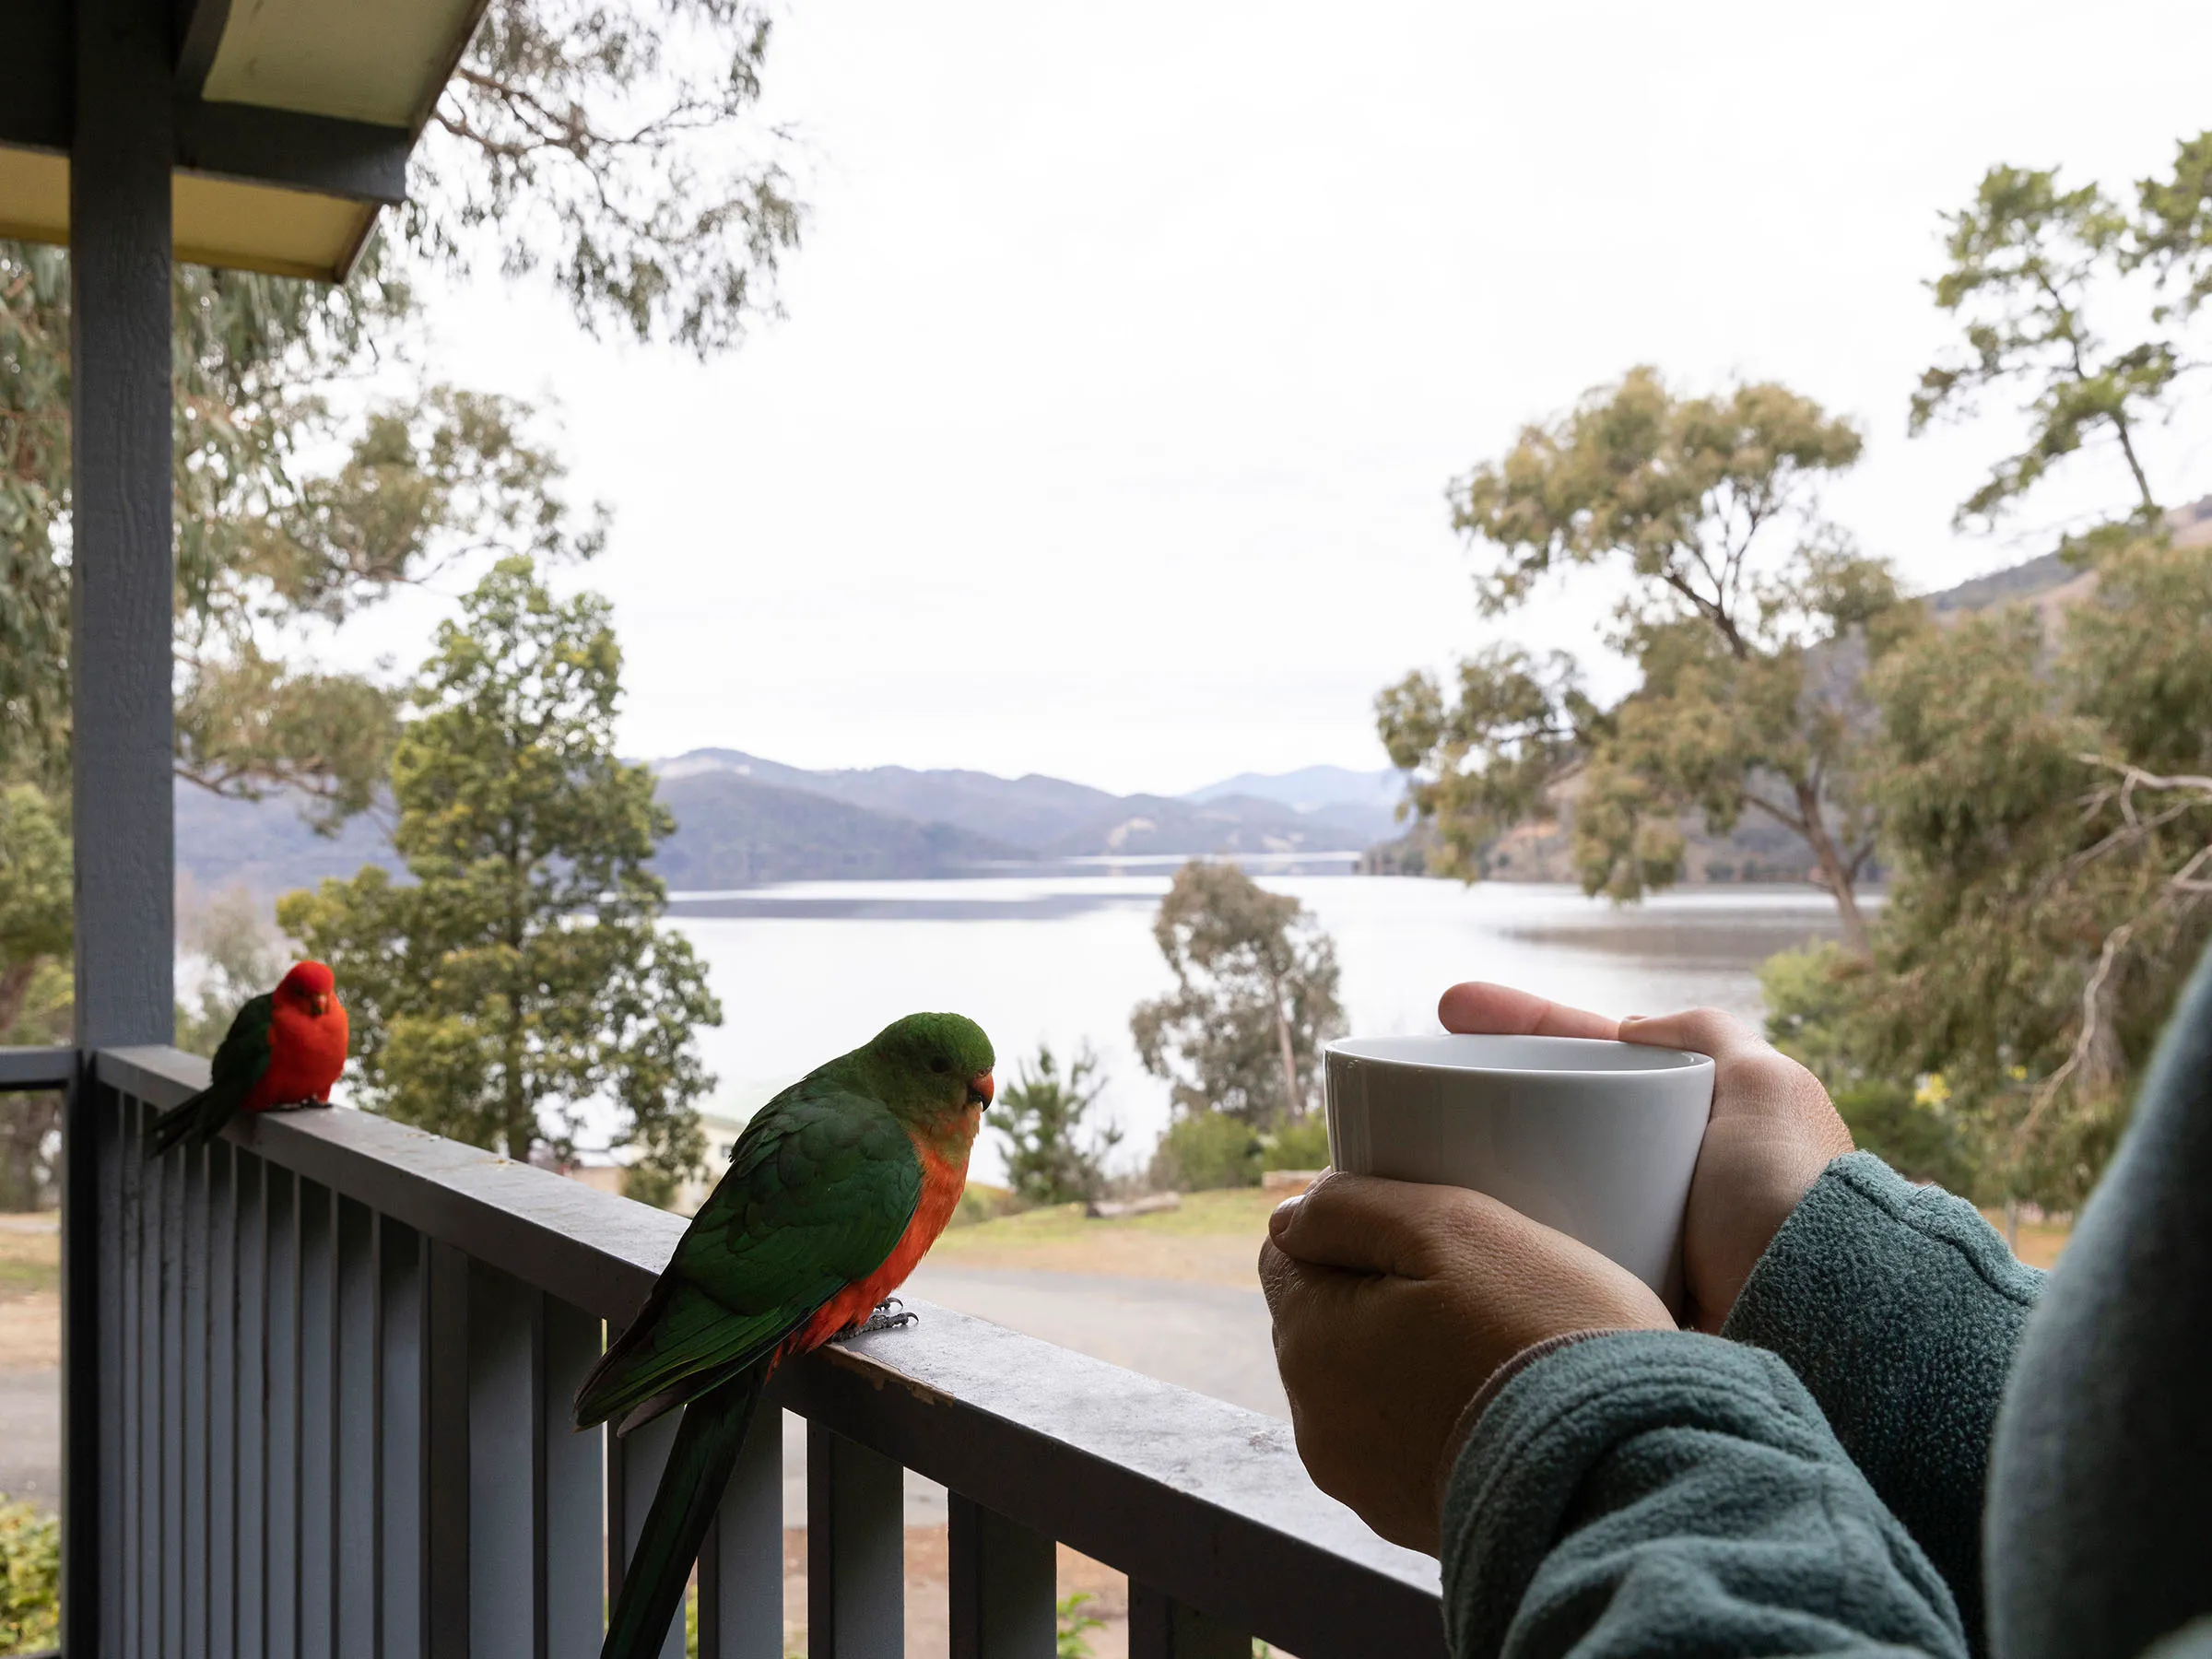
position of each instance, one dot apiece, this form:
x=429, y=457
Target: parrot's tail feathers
x=175, y=1124
x=706, y=1448
x=690, y=1388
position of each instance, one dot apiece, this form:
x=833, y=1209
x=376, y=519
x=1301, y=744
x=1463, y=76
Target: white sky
x=1131, y=347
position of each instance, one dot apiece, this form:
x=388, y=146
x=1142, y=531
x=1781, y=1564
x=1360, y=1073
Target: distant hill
x=1037, y=817
x=1361, y=803
x=734, y=831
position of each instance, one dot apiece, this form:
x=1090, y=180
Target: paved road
x=1207, y=1338
x=30, y=1435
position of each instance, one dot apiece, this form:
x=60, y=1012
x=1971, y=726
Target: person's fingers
x=1481, y=1009
x=1700, y=1030
x=1360, y=1223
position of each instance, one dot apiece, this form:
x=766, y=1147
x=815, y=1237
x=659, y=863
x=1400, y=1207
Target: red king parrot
x=835, y=1190
x=286, y=1048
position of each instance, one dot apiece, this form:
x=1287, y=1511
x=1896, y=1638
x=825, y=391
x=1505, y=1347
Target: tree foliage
x=615, y=153
x=2032, y=265
x=2045, y=783
x=1748, y=613
x=1052, y=1155
x=1254, y=999
x=2048, y=817
x=618, y=150
x=521, y=976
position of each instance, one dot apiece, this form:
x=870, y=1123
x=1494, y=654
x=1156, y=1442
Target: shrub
x=1302, y=1143
x=1051, y=1158
x=1203, y=1150
x=30, y=1579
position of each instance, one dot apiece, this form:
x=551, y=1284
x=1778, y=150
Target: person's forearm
x=1664, y=1492
x=1899, y=1307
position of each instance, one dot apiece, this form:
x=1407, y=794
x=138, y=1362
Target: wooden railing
x=318, y=1397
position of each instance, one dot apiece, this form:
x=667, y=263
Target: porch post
x=120, y=579
x=119, y=667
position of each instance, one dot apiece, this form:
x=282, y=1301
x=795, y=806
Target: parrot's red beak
x=981, y=1090
x=320, y=1001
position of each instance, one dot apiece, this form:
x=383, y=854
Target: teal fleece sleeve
x=1663, y=1493
x=1899, y=1309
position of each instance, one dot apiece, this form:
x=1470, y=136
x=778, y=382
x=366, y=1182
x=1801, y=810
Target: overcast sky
x=1131, y=347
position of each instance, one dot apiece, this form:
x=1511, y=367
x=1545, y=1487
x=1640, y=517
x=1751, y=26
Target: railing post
x=444, y=1566
x=573, y=1473
x=1002, y=1585
x=1162, y=1628
x=634, y=1464
x=855, y=1550
x=741, y=1569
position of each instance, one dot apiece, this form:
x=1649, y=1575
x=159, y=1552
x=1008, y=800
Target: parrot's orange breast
x=944, y=1174
x=307, y=1052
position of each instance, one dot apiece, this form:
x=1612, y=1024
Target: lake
x=807, y=969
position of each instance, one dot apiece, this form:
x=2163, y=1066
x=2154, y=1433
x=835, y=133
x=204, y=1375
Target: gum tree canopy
x=1748, y=613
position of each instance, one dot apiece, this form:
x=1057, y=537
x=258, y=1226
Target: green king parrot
x=835, y=1190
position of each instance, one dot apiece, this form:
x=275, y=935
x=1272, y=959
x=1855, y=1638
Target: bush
x=30, y=1579
x=1203, y=1150
x=1051, y=1158
x=1921, y=1142
x=1299, y=1145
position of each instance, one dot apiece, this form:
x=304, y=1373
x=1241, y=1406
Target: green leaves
x=1039, y=1117
x=1254, y=999
x=616, y=150
x=1749, y=615
x=2030, y=263
x=1679, y=489
x=522, y=972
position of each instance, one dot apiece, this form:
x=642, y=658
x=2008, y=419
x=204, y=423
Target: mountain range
x=743, y=819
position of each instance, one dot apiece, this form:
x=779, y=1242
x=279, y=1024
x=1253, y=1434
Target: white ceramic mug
x=1597, y=1139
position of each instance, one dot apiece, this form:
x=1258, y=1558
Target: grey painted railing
x=334, y=1357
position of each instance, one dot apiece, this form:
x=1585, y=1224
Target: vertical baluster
x=400, y=1418
x=250, y=1545
x=222, y=1400
x=445, y=1466
x=356, y=1492
x=634, y=1464
x=1002, y=1585
x=280, y=1460
x=503, y=1435
x=573, y=1472
x=192, y=1383
x=318, y=1424
x=741, y=1570
x=169, y=1409
x=114, y=1117
x=855, y=1550
x=136, y=1368
x=1162, y=1628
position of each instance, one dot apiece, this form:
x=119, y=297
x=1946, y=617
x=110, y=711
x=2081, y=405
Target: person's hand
x=1773, y=1131
x=1392, y=1304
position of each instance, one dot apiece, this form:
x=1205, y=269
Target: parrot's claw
x=891, y=1314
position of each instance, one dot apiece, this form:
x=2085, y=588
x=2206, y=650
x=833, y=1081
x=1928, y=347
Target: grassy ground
x=1213, y=1237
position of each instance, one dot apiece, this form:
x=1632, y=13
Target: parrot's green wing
x=240, y=1060
x=244, y=1054
x=820, y=1187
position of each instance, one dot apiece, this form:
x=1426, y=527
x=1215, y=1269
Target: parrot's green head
x=929, y=1065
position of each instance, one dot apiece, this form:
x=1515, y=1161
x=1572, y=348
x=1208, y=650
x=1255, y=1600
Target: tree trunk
x=1292, y=1105
x=1834, y=874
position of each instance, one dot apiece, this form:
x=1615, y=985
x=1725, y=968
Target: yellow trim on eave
x=213, y=221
